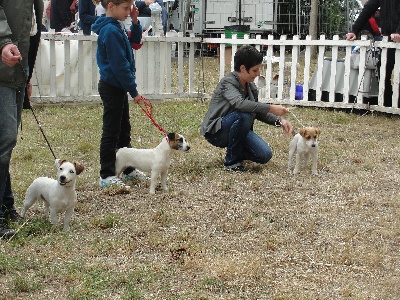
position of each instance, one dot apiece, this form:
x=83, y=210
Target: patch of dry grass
x=263, y=234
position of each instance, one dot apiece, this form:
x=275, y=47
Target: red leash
x=148, y=110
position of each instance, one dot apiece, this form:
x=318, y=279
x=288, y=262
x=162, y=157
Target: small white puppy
x=306, y=144
x=156, y=160
x=58, y=195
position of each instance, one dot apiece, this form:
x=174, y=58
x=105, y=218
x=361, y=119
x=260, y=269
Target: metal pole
x=298, y=16
x=240, y=12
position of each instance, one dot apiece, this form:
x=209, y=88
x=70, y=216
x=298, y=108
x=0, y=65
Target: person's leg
x=17, y=97
x=8, y=139
x=124, y=139
x=256, y=149
x=232, y=135
x=387, y=101
x=113, y=100
x=125, y=134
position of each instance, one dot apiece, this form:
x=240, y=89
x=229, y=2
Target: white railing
x=66, y=70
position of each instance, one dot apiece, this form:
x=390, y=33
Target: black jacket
x=60, y=14
x=390, y=16
x=15, y=26
x=87, y=15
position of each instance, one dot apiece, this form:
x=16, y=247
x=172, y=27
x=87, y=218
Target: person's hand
x=134, y=13
x=395, y=37
x=351, y=36
x=10, y=55
x=29, y=89
x=148, y=2
x=287, y=127
x=278, y=110
x=137, y=99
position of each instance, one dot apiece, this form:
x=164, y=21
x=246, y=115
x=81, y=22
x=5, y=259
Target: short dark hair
x=247, y=56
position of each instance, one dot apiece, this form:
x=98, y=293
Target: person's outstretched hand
x=287, y=127
x=278, y=110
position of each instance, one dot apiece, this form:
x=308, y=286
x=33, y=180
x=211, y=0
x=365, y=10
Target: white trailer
x=211, y=16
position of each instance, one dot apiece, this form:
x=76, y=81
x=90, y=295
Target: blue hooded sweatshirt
x=114, y=53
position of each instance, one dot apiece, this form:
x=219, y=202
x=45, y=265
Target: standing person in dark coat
x=390, y=26
x=15, y=28
x=60, y=15
x=87, y=15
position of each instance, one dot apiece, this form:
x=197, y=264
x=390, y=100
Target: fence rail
x=66, y=70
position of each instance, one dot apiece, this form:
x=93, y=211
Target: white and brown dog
x=156, y=160
x=305, y=144
x=58, y=195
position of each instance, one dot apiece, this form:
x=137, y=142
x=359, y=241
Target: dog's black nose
x=313, y=145
x=62, y=178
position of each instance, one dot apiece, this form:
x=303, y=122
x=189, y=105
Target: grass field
x=263, y=234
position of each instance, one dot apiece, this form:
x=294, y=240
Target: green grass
x=264, y=234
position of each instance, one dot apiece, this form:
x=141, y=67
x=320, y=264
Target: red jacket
x=374, y=26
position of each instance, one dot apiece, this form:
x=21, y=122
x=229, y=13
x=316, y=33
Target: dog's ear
x=318, y=131
x=78, y=168
x=303, y=131
x=59, y=162
x=171, y=136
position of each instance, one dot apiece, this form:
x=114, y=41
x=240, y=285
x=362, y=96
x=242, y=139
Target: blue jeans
x=116, y=127
x=10, y=117
x=237, y=135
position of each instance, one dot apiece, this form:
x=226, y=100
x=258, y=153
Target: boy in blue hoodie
x=117, y=78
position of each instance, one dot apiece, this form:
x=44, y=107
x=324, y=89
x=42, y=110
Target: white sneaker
x=113, y=181
x=135, y=174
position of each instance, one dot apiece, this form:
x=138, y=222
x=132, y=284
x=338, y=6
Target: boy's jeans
x=241, y=142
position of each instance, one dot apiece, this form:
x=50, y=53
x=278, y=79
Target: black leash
x=37, y=121
x=41, y=130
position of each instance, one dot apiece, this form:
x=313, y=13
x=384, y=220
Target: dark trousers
x=390, y=61
x=241, y=142
x=116, y=127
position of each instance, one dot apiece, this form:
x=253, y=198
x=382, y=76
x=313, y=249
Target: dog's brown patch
x=173, y=140
x=78, y=168
x=310, y=132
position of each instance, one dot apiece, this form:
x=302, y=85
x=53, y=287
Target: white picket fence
x=66, y=70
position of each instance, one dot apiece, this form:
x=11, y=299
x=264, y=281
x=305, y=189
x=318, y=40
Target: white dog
x=58, y=195
x=306, y=144
x=156, y=160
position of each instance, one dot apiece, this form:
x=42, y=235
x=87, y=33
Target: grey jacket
x=15, y=26
x=229, y=97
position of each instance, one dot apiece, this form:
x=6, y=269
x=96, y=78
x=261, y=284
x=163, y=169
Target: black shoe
x=238, y=167
x=5, y=231
x=12, y=216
